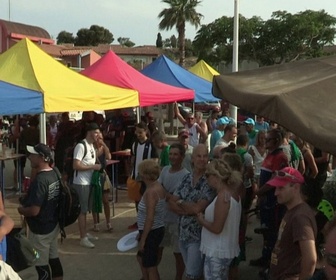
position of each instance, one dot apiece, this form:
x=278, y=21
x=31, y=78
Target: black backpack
x=68, y=160
x=69, y=206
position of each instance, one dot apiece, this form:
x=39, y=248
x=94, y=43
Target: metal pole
x=233, y=109
x=8, y=10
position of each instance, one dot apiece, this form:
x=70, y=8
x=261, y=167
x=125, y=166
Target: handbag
x=21, y=254
x=133, y=189
x=107, y=185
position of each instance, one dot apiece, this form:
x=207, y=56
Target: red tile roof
x=24, y=29
x=53, y=50
x=121, y=50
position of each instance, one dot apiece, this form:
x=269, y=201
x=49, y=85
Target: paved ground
x=105, y=262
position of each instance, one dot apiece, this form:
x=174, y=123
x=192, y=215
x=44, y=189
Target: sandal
x=96, y=228
x=109, y=227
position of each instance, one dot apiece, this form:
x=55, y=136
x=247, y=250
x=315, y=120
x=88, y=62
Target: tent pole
x=43, y=128
x=138, y=114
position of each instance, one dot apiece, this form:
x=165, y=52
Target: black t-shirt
x=44, y=191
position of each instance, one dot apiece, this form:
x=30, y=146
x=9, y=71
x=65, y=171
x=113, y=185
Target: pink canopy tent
x=112, y=70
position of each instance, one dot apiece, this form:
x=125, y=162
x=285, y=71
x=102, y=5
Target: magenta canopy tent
x=112, y=70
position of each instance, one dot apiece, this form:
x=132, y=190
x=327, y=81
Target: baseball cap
x=223, y=120
x=91, y=126
x=285, y=176
x=183, y=133
x=249, y=121
x=40, y=149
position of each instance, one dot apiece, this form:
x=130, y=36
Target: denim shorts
x=216, y=268
x=171, y=238
x=193, y=259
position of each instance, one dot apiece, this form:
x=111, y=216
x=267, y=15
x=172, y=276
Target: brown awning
x=299, y=96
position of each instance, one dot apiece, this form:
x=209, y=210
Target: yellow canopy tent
x=27, y=66
x=203, y=70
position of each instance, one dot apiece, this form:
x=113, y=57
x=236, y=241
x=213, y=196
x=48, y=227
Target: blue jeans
x=192, y=258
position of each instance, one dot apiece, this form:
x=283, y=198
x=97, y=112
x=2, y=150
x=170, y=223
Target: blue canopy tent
x=168, y=72
x=18, y=100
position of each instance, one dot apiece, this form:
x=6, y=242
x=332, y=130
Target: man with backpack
x=84, y=163
x=41, y=209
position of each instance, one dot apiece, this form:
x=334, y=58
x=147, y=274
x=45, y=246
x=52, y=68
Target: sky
x=138, y=19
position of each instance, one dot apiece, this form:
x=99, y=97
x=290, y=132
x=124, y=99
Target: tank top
x=158, y=215
x=257, y=160
x=193, y=135
x=226, y=243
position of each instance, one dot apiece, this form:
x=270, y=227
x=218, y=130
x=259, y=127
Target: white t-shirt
x=84, y=177
x=222, y=142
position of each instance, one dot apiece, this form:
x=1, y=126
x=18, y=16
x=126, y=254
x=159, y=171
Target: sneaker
x=86, y=243
x=91, y=237
x=133, y=226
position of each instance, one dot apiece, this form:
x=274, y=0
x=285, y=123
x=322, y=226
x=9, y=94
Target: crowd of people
x=193, y=195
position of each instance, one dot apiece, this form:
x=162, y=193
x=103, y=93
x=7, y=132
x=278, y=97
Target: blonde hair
x=223, y=171
x=149, y=169
x=234, y=161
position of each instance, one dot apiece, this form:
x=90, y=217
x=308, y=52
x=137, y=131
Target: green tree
x=173, y=41
x=284, y=37
x=177, y=15
x=65, y=37
x=167, y=43
x=93, y=36
x=126, y=42
x=159, y=43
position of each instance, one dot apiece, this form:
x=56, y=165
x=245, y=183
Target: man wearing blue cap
x=251, y=131
x=218, y=132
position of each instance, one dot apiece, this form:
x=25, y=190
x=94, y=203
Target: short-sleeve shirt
x=142, y=151
x=164, y=156
x=215, y=136
x=170, y=181
x=297, y=225
x=274, y=160
x=262, y=126
x=83, y=177
x=44, y=192
x=190, y=229
x=187, y=158
x=248, y=162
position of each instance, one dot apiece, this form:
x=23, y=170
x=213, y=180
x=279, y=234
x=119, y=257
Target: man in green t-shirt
x=159, y=140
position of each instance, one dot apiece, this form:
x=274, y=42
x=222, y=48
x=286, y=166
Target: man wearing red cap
x=294, y=254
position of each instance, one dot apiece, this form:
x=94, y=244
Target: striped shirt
x=159, y=214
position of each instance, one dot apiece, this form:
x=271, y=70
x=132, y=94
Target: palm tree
x=178, y=14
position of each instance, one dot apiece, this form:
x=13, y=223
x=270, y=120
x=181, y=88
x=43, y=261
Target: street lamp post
x=8, y=10
x=233, y=109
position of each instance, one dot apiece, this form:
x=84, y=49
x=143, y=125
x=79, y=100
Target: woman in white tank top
x=220, y=232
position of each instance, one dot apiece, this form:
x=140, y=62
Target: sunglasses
x=190, y=118
x=269, y=139
x=283, y=174
x=92, y=153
